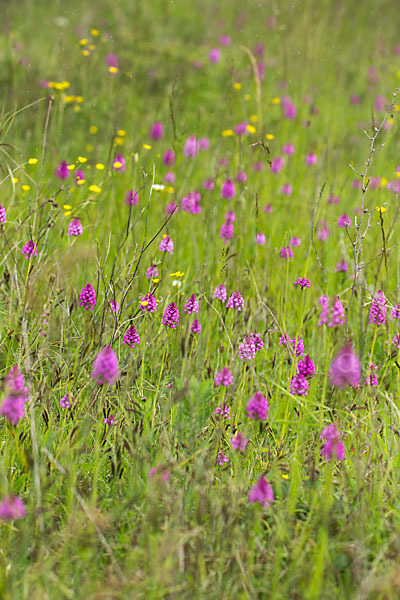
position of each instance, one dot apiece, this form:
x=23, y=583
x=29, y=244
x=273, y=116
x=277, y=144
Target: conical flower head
x=236, y=301
x=3, y=217
x=152, y=272
x=29, y=249
x=196, y=327
x=169, y=158
x=191, y=147
x=345, y=368
x=337, y=315
x=171, y=316
x=220, y=293
x=377, y=312
x=239, y=442
x=75, y=228
x=395, y=312
x=156, y=131
x=257, y=341
x=105, y=367
x=227, y=231
x=224, y=377
x=12, y=508
x=166, y=245
x=306, y=367
x=148, y=303
x=87, y=297
x=257, y=407
x=299, y=385
x=230, y=217
x=191, y=305
x=262, y=493
x=228, y=189
x=16, y=382
x=13, y=406
x=333, y=446
x=62, y=170
x=247, y=349
x=119, y=163
x=131, y=337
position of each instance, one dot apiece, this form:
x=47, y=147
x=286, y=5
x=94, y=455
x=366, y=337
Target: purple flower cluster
x=166, y=245
x=191, y=203
x=222, y=458
x=131, y=337
x=260, y=239
x=257, y=407
x=156, y=132
x=29, y=249
x=344, y=221
x=75, y=228
x=228, y=189
x=65, y=401
x=191, y=147
x=224, y=377
x=239, y=442
x=395, y=312
x=306, y=367
x=262, y=493
x=345, y=368
x=105, y=367
x=191, y=305
x=62, y=171
x=12, y=508
x=341, y=267
x=220, y=293
x=377, y=312
x=148, y=303
x=331, y=316
x=17, y=395
x=299, y=385
x=3, y=217
x=333, y=446
x=286, y=252
x=131, y=198
x=87, y=297
x=297, y=344
x=227, y=229
x=171, y=316
x=196, y=327
x=235, y=301
x=223, y=411
x=303, y=282
x=250, y=346
x=152, y=272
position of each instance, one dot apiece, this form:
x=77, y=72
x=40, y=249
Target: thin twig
x=360, y=235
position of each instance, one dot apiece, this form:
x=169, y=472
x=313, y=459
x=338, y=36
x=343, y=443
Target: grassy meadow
x=149, y=152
